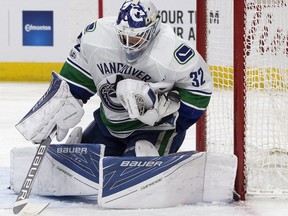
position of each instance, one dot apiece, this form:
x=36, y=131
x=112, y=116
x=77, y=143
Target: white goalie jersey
x=97, y=62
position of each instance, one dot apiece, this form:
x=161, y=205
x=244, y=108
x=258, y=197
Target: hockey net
x=263, y=55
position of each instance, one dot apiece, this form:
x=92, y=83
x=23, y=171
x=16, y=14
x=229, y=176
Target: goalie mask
x=137, y=25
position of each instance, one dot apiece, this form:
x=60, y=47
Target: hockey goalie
x=153, y=86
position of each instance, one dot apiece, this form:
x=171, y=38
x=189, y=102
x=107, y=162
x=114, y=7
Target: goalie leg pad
x=168, y=181
x=67, y=170
x=144, y=148
x=75, y=136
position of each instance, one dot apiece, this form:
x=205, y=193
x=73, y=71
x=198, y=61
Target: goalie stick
x=22, y=205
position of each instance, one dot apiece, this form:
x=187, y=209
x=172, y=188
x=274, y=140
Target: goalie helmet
x=137, y=25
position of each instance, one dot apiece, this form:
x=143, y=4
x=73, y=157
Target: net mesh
x=266, y=62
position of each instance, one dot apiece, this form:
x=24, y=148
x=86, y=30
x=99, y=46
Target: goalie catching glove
x=151, y=103
x=57, y=107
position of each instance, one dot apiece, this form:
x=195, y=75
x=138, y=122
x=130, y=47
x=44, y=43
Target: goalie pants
x=166, y=142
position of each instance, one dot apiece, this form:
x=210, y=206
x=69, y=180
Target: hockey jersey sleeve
x=76, y=70
x=195, y=85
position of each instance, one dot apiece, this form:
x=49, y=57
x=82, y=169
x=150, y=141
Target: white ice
x=16, y=99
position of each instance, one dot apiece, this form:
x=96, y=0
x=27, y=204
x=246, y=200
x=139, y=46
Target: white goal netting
x=266, y=81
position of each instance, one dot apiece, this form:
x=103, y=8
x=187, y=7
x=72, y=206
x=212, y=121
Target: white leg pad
x=169, y=181
x=53, y=179
x=219, y=179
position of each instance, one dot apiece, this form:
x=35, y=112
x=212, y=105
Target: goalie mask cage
x=245, y=43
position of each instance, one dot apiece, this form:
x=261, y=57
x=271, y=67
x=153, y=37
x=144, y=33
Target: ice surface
x=16, y=99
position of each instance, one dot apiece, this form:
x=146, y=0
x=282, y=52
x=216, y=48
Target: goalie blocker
x=56, y=108
x=155, y=182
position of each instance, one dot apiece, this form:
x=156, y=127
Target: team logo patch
x=91, y=27
x=107, y=93
x=183, y=53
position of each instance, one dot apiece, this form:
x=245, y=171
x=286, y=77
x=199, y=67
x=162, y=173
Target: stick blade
x=24, y=208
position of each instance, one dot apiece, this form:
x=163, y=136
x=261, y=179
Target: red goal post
x=245, y=43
